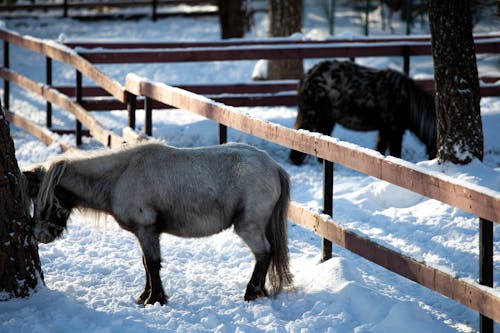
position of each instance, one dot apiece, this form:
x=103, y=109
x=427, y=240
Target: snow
x=94, y=273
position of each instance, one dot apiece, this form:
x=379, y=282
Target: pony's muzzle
x=45, y=232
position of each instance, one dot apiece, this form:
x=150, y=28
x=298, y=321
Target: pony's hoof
x=254, y=292
x=297, y=157
x=145, y=299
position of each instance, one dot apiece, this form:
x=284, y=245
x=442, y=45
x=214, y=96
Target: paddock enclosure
x=142, y=93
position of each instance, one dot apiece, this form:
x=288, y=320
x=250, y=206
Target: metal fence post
x=131, y=107
x=6, y=83
x=327, y=205
x=78, y=94
x=148, y=123
x=406, y=59
x=154, y=7
x=48, y=81
x=222, y=134
x=409, y=16
x=485, y=267
x=65, y=8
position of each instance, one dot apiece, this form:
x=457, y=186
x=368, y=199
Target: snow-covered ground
x=94, y=273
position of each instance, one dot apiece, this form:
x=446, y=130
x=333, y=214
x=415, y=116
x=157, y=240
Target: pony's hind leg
x=147, y=288
x=256, y=286
x=149, y=241
x=257, y=242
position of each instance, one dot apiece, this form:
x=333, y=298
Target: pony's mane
x=51, y=178
x=56, y=167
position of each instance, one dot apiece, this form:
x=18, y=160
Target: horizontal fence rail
x=82, y=44
x=94, y=4
x=288, y=51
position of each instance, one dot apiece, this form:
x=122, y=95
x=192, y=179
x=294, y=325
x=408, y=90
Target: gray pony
x=152, y=188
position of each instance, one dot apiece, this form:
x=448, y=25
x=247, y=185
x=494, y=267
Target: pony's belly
x=192, y=227
x=355, y=123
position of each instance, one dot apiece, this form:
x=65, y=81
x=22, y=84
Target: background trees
x=231, y=18
x=285, y=19
x=459, y=126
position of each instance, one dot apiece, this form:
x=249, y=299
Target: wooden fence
x=64, y=7
x=263, y=93
x=479, y=201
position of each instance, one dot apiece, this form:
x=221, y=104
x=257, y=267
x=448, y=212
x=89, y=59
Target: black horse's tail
x=279, y=270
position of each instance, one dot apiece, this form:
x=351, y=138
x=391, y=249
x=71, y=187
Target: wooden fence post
x=131, y=107
x=485, y=267
x=78, y=94
x=327, y=205
x=48, y=81
x=148, y=123
x=6, y=83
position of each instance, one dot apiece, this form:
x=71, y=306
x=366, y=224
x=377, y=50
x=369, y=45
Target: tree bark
x=231, y=18
x=20, y=269
x=459, y=126
x=285, y=19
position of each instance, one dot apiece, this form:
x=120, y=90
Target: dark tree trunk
x=285, y=19
x=20, y=269
x=231, y=18
x=459, y=126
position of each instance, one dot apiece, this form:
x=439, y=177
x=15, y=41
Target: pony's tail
x=279, y=270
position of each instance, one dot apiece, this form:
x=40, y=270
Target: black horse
x=365, y=99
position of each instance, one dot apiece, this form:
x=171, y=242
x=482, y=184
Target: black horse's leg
x=381, y=145
x=150, y=244
x=395, y=143
x=256, y=286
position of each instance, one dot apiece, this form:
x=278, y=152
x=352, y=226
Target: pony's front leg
x=150, y=244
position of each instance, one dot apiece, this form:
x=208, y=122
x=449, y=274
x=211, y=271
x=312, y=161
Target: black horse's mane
x=420, y=106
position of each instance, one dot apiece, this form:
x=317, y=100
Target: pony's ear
x=34, y=178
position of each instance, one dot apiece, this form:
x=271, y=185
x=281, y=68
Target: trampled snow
x=94, y=273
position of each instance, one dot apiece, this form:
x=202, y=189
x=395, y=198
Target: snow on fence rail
x=477, y=200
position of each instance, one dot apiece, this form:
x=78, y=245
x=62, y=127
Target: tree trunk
x=459, y=126
x=285, y=19
x=20, y=269
x=231, y=18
